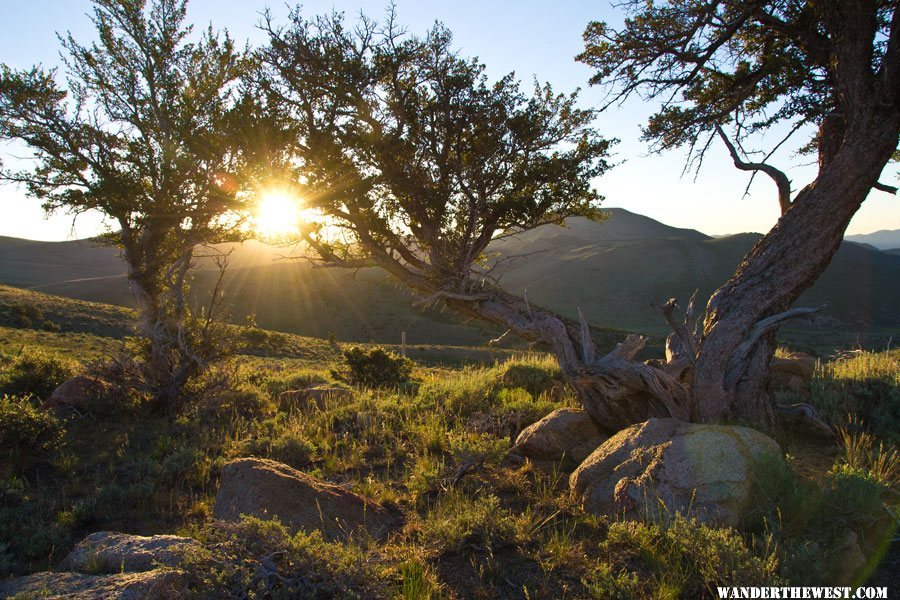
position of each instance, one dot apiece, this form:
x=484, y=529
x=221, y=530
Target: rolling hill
x=613, y=270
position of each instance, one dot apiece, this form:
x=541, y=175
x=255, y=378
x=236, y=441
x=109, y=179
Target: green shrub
x=468, y=392
x=35, y=372
x=861, y=453
x=376, y=368
x=863, y=386
x=27, y=434
x=458, y=522
x=536, y=374
x=235, y=400
x=687, y=559
x=247, y=553
x=292, y=449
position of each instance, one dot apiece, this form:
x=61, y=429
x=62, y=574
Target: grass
x=478, y=524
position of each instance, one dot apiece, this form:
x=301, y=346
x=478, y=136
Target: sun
x=277, y=214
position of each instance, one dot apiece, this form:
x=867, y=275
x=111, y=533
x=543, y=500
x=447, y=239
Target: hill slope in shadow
x=613, y=270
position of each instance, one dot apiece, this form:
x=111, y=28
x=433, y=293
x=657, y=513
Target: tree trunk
x=729, y=380
x=169, y=366
x=614, y=389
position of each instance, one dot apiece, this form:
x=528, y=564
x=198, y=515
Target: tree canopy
x=144, y=131
x=746, y=64
x=414, y=154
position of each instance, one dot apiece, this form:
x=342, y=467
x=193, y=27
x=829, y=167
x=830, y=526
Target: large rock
x=791, y=373
x=77, y=392
x=566, y=432
x=667, y=466
x=267, y=489
x=146, y=585
x=111, y=552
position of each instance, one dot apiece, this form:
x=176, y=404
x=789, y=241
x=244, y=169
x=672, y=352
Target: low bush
x=687, y=559
x=35, y=372
x=458, y=522
x=376, y=368
x=261, y=559
x=26, y=434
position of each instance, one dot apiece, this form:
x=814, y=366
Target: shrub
x=865, y=386
x=234, y=400
x=261, y=559
x=35, y=372
x=26, y=434
x=860, y=453
x=376, y=368
x=458, y=522
x=536, y=374
x=687, y=559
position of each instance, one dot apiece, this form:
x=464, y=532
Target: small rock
x=146, y=585
x=850, y=559
x=267, y=489
x=77, y=392
x=667, y=466
x=566, y=432
x=111, y=552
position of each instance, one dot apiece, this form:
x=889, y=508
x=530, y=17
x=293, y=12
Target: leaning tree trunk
x=729, y=377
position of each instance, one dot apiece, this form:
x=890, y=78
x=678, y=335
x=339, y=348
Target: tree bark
x=783, y=264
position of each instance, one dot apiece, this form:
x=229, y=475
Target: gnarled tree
x=833, y=66
x=144, y=133
x=417, y=162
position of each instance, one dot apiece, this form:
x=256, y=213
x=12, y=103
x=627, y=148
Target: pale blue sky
x=532, y=38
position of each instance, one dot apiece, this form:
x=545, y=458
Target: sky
x=533, y=38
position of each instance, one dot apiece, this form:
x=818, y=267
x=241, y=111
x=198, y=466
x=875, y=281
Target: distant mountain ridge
x=886, y=239
x=614, y=271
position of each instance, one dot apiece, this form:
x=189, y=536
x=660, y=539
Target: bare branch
x=681, y=329
x=588, y=352
x=738, y=361
x=781, y=180
x=447, y=295
x=883, y=187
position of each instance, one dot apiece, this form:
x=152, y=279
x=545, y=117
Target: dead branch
x=681, y=330
x=628, y=348
x=883, y=187
x=447, y=295
x=496, y=341
x=805, y=414
x=738, y=361
x=588, y=351
x=781, y=180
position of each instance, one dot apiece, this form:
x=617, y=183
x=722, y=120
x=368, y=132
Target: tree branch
x=737, y=363
x=781, y=180
x=883, y=187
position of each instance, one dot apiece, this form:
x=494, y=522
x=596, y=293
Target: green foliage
x=36, y=372
x=417, y=582
x=28, y=316
x=687, y=559
x=860, y=453
x=458, y=522
x=307, y=566
x=722, y=62
x=376, y=367
x=27, y=434
x=862, y=387
x=430, y=157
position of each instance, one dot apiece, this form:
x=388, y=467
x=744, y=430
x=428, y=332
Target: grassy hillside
x=477, y=522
